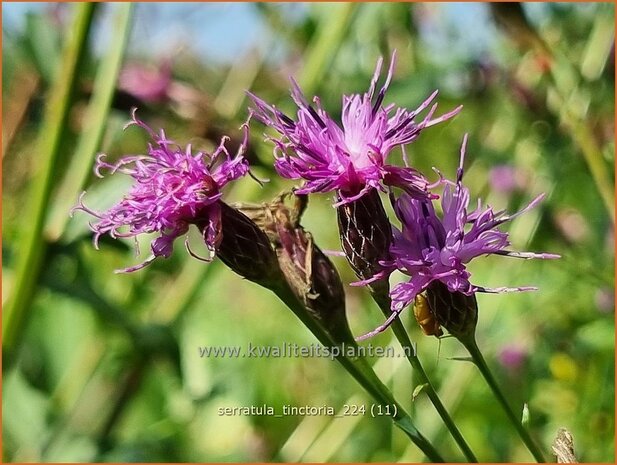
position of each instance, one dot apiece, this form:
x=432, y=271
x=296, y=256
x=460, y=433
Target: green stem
x=401, y=418
x=129, y=387
x=32, y=247
x=471, y=345
x=94, y=124
x=583, y=136
x=414, y=361
x=325, y=43
x=362, y=372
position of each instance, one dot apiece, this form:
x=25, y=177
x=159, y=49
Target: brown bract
x=307, y=270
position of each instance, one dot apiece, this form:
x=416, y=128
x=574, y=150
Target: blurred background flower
x=506, y=179
x=512, y=357
x=149, y=84
x=104, y=367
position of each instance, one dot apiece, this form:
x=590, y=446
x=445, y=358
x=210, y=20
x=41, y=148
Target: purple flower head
x=173, y=189
x=348, y=158
x=430, y=248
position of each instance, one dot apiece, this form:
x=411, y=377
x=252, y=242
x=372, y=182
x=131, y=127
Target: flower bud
x=366, y=235
x=455, y=311
x=315, y=281
x=246, y=249
x=309, y=273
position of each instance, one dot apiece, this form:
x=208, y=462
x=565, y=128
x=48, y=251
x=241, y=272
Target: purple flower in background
x=148, y=84
x=512, y=358
x=173, y=189
x=605, y=300
x=430, y=248
x=350, y=159
x=505, y=179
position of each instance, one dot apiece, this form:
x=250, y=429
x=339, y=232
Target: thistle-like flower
x=349, y=159
x=173, y=189
x=434, y=251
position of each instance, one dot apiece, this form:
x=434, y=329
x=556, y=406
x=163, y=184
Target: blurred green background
x=100, y=366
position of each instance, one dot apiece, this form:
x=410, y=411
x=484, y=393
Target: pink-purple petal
x=173, y=189
x=352, y=155
x=429, y=248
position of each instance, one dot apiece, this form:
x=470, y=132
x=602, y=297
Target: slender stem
x=414, y=361
x=89, y=142
x=360, y=369
x=401, y=417
x=471, y=345
x=126, y=391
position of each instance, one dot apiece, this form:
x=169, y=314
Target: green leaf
x=43, y=43
x=419, y=388
x=525, y=415
x=32, y=247
x=597, y=336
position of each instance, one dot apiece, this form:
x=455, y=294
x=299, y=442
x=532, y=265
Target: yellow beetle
x=425, y=317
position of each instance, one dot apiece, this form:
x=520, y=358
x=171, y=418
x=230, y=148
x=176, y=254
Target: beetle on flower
x=430, y=249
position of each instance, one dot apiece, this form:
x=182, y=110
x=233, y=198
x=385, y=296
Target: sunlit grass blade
x=326, y=42
x=32, y=247
x=514, y=419
x=94, y=124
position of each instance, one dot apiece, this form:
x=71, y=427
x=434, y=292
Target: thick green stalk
x=360, y=369
x=32, y=247
x=471, y=345
x=414, y=361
